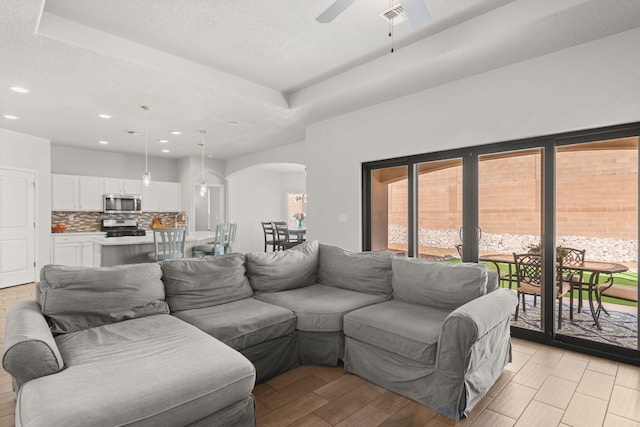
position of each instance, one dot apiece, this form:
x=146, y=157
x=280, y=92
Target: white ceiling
x=253, y=73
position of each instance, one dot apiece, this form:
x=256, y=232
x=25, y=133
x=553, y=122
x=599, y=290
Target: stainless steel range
x=122, y=227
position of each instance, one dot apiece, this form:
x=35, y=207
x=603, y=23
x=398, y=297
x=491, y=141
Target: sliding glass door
x=596, y=231
x=439, y=195
x=568, y=202
x=510, y=221
x=389, y=209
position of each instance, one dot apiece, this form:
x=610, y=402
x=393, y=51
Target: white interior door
x=17, y=227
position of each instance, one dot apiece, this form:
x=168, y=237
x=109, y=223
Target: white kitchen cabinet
x=122, y=186
x=90, y=190
x=73, y=250
x=64, y=193
x=76, y=193
x=161, y=197
x=131, y=186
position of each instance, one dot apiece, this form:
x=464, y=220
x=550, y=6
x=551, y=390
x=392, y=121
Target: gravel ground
x=613, y=250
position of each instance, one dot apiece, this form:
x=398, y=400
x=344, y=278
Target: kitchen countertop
x=80, y=233
x=148, y=239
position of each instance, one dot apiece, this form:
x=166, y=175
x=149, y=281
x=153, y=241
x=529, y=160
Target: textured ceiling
x=253, y=73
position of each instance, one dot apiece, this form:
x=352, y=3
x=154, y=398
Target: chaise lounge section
x=183, y=342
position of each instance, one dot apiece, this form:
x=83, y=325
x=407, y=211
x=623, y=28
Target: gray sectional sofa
x=184, y=342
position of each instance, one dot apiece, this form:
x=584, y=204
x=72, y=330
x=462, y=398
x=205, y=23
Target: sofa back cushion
x=368, y=272
x=278, y=271
x=198, y=283
x=438, y=284
x=76, y=298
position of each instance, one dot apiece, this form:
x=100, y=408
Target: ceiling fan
x=416, y=11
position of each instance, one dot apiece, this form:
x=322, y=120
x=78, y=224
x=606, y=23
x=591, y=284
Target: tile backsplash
x=86, y=222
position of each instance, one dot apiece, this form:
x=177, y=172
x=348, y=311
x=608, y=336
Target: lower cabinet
x=75, y=251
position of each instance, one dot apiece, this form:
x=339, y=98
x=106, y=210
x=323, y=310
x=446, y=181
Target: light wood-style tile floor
x=544, y=386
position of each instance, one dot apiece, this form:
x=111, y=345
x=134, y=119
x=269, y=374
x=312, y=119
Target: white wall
x=257, y=195
x=77, y=161
x=30, y=152
x=587, y=86
x=292, y=153
x=189, y=171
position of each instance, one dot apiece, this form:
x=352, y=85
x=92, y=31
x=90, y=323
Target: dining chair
x=215, y=247
x=230, y=238
x=270, y=238
x=282, y=236
x=529, y=281
x=169, y=242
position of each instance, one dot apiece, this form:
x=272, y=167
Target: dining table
x=600, y=277
x=297, y=234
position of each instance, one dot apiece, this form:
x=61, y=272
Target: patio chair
x=529, y=280
x=270, y=238
x=572, y=256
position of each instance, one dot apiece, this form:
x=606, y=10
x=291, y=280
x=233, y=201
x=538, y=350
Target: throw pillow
x=438, y=284
x=213, y=280
x=76, y=298
x=278, y=271
x=368, y=272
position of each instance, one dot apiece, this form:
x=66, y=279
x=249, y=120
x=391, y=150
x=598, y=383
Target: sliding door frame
x=470, y=219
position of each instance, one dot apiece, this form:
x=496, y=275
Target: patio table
x=595, y=268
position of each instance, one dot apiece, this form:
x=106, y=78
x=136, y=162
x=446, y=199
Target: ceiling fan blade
x=334, y=10
x=417, y=13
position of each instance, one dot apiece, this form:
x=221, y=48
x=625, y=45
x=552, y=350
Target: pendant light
x=146, y=176
x=203, y=183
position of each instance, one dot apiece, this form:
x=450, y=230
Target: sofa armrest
x=30, y=351
x=484, y=320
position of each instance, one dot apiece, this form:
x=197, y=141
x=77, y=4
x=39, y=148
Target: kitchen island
x=110, y=251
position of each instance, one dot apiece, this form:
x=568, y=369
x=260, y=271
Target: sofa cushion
x=409, y=330
x=75, y=298
x=243, y=323
x=320, y=308
x=438, y=284
x=150, y=371
x=276, y=271
x=368, y=272
x=197, y=283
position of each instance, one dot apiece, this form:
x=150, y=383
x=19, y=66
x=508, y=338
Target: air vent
x=395, y=14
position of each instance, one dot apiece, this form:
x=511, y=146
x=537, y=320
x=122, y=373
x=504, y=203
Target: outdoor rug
x=618, y=328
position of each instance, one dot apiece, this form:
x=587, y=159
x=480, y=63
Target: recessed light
x=166, y=151
x=103, y=142
x=175, y=132
x=163, y=141
x=104, y=116
x=210, y=156
x=10, y=117
x=19, y=89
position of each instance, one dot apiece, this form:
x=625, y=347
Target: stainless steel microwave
x=122, y=203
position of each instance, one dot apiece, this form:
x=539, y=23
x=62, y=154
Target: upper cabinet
x=76, y=193
x=122, y=186
x=64, y=192
x=161, y=197
x=84, y=193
